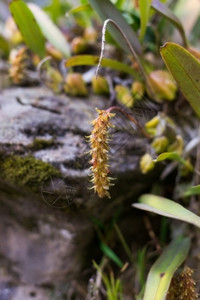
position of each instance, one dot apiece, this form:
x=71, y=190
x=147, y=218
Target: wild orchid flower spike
x=99, y=140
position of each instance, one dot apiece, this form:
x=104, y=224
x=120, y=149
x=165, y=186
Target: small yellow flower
x=99, y=140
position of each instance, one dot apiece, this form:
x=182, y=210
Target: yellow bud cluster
x=99, y=140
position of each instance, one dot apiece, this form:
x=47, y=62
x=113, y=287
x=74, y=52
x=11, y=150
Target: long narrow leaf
x=50, y=30
x=185, y=69
x=167, y=13
x=106, y=10
x=168, y=208
x=28, y=27
x=174, y=156
x=110, y=254
x=144, y=16
x=161, y=272
x=91, y=60
x=78, y=9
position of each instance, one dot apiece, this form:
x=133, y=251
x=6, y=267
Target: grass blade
x=28, y=27
x=50, y=30
x=106, y=10
x=161, y=272
x=185, y=69
x=110, y=254
x=168, y=208
x=167, y=13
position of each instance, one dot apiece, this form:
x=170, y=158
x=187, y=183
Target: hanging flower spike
x=99, y=140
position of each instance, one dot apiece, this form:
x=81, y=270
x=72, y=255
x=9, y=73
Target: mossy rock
x=27, y=171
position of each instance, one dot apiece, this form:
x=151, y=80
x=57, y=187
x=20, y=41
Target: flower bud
x=74, y=85
x=124, y=96
x=53, y=79
x=137, y=90
x=195, y=52
x=53, y=52
x=100, y=85
x=146, y=163
x=160, y=144
x=187, y=168
x=79, y=45
x=151, y=125
x=162, y=85
x=90, y=34
x=177, y=145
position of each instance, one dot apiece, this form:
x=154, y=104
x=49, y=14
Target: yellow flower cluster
x=99, y=140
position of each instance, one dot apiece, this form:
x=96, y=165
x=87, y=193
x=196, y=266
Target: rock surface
x=46, y=232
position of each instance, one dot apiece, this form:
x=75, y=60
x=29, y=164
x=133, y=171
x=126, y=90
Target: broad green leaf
x=168, y=208
x=145, y=6
x=106, y=10
x=50, y=30
x=28, y=27
x=110, y=254
x=193, y=190
x=185, y=69
x=174, y=156
x=167, y=13
x=162, y=271
x=91, y=60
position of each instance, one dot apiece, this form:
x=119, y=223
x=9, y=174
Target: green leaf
x=161, y=272
x=28, y=27
x=185, y=69
x=91, y=60
x=174, y=156
x=106, y=10
x=78, y=9
x=110, y=254
x=168, y=208
x=54, y=9
x=4, y=46
x=193, y=190
x=167, y=13
x=145, y=6
x=50, y=30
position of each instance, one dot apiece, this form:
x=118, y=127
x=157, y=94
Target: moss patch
x=27, y=171
x=39, y=144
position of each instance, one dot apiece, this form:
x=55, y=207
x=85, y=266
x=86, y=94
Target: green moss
x=27, y=171
x=39, y=144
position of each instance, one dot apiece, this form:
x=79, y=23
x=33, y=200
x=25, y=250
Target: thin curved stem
x=129, y=46
x=131, y=118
